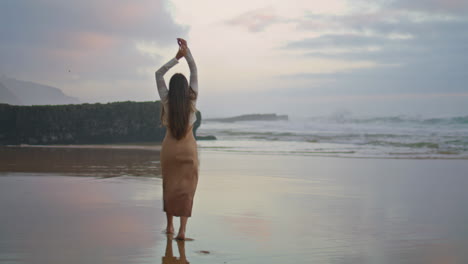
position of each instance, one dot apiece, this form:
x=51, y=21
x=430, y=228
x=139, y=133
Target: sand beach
x=103, y=205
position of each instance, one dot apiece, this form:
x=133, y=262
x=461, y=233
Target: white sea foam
x=345, y=136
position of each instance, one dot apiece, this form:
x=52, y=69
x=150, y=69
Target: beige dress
x=179, y=163
x=179, y=158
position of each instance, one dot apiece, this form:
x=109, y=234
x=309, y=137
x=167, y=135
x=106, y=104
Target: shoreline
x=311, y=154
x=130, y=146
x=157, y=148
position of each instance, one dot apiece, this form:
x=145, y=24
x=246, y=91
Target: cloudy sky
x=303, y=58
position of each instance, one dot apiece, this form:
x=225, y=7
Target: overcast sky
x=302, y=58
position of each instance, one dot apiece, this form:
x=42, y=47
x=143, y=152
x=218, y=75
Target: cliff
x=251, y=117
x=118, y=122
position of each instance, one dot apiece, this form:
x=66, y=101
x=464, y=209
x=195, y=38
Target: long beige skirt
x=179, y=164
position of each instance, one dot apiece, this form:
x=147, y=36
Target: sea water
x=344, y=136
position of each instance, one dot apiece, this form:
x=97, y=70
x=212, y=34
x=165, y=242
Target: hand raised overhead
x=182, y=42
x=181, y=52
x=182, y=48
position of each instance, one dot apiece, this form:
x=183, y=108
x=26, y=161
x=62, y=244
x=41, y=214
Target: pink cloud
x=82, y=48
x=129, y=14
x=256, y=20
x=91, y=40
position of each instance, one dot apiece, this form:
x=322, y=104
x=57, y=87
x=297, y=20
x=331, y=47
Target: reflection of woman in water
x=169, y=256
x=179, y=159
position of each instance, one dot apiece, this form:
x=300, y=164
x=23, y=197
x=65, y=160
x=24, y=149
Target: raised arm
x=193, y=71
x=160, y=83
x=191, y=63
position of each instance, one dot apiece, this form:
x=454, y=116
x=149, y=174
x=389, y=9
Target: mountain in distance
x=6, y=96
x=17, y=92
x=250, y=117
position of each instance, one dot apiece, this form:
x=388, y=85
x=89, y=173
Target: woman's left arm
x=193, y=71
x=160, y=83
x=191, y=63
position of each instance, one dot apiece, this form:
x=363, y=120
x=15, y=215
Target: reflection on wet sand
x=97, y=162
x=248, y=209
x=55, y=219
x=169, y=258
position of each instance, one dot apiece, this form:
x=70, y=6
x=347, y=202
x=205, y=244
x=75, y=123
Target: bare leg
x=169, y=247
x=181, y=246
x=183, y=224
x=170, y=226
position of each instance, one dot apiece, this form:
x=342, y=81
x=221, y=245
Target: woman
x=179, y=159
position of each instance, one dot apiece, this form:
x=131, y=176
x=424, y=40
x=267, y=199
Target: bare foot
x=180, y=236
x=170, y=230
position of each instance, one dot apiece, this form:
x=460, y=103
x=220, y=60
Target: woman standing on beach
x=179, y=158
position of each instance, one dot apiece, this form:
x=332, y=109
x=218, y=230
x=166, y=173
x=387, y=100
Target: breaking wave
x=344, y=135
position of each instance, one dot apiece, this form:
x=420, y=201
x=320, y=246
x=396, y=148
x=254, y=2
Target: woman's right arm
x=160, y=83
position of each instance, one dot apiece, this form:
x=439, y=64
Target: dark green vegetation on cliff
x=118, y=122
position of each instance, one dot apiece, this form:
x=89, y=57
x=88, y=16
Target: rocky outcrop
x=117, y=122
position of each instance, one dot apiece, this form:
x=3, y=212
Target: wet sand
x=83, y=160
x=248, y=209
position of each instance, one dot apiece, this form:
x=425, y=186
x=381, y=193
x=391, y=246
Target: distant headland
x=18, y=92
x=250, y=117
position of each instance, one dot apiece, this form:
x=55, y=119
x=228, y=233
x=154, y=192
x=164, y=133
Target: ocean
x=343, y=135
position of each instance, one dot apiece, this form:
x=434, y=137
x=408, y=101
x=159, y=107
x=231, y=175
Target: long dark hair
x=180, y=105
